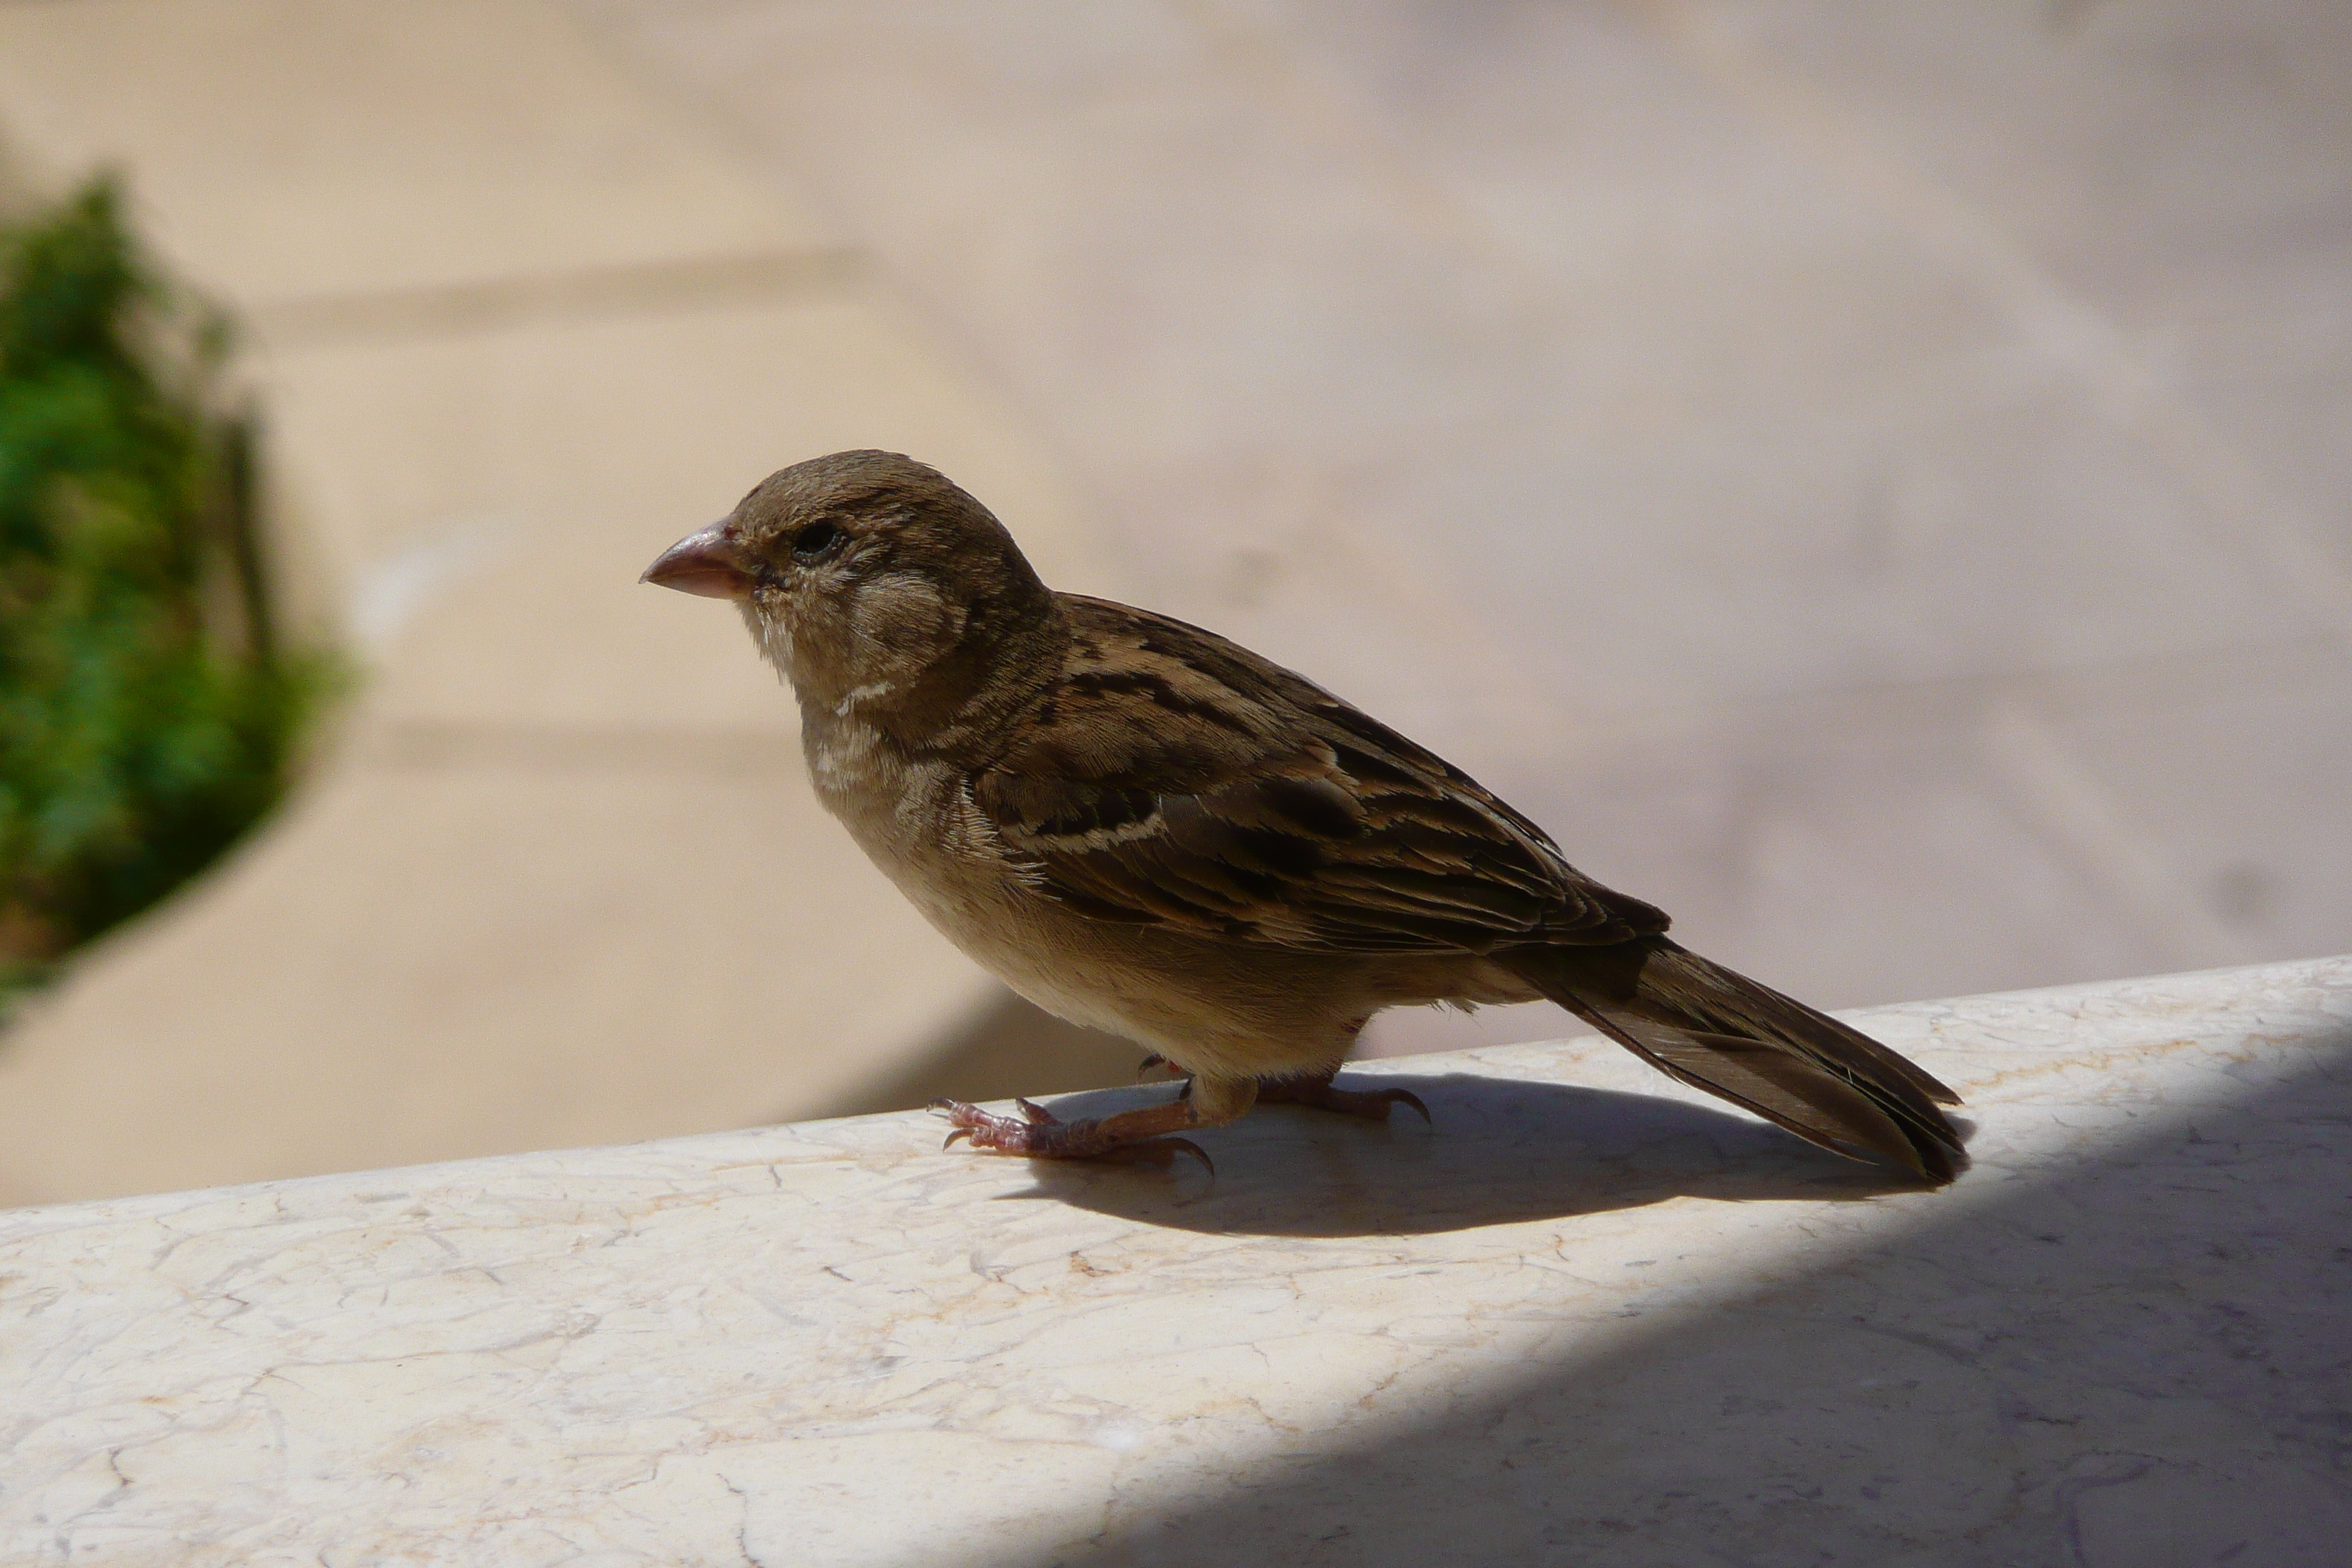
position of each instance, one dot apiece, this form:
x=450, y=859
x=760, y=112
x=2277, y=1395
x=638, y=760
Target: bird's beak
x=710, y=564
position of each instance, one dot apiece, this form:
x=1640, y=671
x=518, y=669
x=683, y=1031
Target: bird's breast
x=913, y=817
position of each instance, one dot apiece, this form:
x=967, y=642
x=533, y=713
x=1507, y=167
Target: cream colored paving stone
x=493, y=495
x=568, y=939
x=1701, y=358
x=288, y=149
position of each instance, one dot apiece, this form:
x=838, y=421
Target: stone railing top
x=1587, y=1317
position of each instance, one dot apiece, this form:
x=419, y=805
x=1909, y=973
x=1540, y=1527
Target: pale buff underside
x=1214, y=1009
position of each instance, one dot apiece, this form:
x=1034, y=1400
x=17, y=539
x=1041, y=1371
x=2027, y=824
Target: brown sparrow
x=1144, y=828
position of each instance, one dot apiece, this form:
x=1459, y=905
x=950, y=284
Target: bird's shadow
x=1498, y=1150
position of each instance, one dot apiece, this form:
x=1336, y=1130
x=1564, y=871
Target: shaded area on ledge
x=2134, y=1361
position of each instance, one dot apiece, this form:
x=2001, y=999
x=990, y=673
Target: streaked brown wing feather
x=1170, y=777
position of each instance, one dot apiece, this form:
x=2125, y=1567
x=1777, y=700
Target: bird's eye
x=811, y=542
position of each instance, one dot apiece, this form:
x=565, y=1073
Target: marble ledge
x=1587, y=1317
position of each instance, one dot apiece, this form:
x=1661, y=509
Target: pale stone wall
x=1587, y=1317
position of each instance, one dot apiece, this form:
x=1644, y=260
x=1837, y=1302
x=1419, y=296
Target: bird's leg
x=1317, y=1089
x=1143, y=1134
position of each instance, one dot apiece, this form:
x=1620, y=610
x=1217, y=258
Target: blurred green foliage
x=148, y=714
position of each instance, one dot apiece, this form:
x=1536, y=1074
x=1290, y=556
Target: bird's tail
x=1721, y=1032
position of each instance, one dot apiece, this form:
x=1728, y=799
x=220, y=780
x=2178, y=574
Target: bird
x=1143, y=827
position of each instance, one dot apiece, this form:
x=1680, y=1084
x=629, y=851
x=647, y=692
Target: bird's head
x=872, y=583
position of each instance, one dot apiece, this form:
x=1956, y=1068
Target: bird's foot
x=1132, y=1135
x=1372, y=1104
x=989, y=1130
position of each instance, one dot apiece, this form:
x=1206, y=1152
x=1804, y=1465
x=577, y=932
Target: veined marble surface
x=1589, y=1318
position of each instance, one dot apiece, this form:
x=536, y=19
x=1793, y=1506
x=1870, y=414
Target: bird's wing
x=1172, y=778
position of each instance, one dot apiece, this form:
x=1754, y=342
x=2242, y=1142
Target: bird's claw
x=1040, y=1134
x=1323, y=1094
x=986, y=1129
x=1160, y=1154
x=967, y=1115
x=1407, y=1097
